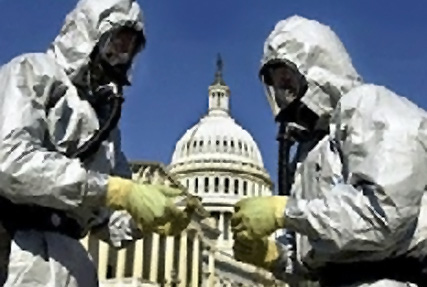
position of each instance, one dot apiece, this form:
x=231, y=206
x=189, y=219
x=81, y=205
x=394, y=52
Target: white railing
x=166, y=261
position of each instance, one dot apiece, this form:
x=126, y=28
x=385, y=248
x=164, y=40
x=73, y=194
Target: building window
x=245, y=188
x=226, y=185
x=196, y=185
x=216, y=188
x=216, y=216
x=187, y=184
x=200, y=145
x=236, y=186
x=206, y=184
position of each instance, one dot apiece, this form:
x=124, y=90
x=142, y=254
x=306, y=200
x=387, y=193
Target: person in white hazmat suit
x=358, y=178
x=62, y=171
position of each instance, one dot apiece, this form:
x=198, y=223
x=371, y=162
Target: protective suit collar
x=84, y=27
x=319, y=55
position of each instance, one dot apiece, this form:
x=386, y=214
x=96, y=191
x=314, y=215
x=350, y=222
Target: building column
x=221, y=228
x=195, y=261
x=102, y=260
x=221, y=184
x=211, y=268
x=121, y=263
x=230, y=233
x=190, y=187
x=169, y=255
x=138, y=257
x=211, y=184
x=154, y=257
x=183, y=260
x=253, y=189
x=85, y=242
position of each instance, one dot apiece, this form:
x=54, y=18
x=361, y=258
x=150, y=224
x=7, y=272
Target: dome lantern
x=219, y=92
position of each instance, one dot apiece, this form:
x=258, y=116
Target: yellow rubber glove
x=259, y=217
x=177, y=224
x=152, y=206
x=260, y=252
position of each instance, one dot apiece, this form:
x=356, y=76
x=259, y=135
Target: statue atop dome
x=218, y=74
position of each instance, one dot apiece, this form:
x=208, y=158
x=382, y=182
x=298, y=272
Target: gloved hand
x=152, y=206
x=177, y=224
x=262, y=253
x=258, y=217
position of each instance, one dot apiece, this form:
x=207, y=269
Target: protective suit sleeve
x=118, y=229
x=287, y=268
x=30, y=173
x=381, y=138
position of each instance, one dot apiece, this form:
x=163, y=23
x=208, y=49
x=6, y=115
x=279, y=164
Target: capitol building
x=218, y=160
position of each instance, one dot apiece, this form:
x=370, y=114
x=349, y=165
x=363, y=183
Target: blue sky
x=387, y=41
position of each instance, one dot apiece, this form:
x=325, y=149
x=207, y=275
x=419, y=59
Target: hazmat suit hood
x=84, y=27
x=319, y=56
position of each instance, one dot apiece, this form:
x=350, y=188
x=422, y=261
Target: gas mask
x=107, y=74
x=118, y=47
x=284, y=86
x=113, y=56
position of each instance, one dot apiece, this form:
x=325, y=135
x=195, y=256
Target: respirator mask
x=284, y=86
x=114, y=54
x=110, y=62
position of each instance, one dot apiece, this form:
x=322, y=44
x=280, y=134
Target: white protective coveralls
x=357, y=193
x=33, y=169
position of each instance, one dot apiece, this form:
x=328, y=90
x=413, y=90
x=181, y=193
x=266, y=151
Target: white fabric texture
x=358, y=192
x=33, y=169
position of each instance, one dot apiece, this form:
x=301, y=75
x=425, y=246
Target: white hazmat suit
x=33, y=139
x=356, y=201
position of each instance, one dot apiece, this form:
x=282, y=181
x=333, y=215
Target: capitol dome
x=219, y=160
x=217, y=137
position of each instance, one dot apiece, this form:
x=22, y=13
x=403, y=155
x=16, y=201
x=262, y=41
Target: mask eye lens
x=281, y=83
x=123, y=42
x=119, y=47
x=281, y=77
